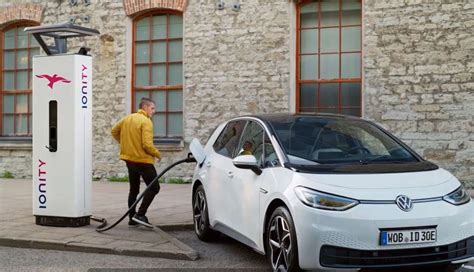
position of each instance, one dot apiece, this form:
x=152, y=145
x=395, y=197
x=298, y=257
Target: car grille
x=339, y=257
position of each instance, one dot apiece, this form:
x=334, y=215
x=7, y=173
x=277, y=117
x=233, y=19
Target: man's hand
x=158, y=159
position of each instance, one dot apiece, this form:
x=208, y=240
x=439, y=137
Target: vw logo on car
x=404, y=203
x=324, y=192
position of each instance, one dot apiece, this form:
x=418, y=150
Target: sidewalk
x=170, y=210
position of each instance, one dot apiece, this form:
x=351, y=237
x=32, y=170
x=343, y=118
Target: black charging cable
x=103, y=227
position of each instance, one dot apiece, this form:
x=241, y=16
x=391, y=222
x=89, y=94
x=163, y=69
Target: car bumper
x=328, y=239
x=339, y=257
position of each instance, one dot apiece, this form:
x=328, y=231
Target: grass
x=118, y=179
x=178, y=181
x=7, y=174
x=162, y=180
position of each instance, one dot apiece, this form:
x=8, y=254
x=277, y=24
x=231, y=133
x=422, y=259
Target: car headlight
x=458, y=197
x=324, y=201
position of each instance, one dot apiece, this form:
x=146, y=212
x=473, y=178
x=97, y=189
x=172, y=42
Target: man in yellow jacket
x=134, y=133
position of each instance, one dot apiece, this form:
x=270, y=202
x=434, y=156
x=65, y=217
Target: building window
x=158, y=70
x=329, y=55
x=18, y=48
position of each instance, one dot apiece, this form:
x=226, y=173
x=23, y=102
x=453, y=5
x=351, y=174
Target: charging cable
x=103, y=227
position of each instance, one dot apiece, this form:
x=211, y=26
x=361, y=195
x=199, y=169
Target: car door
x=244, y=185
x=219, y=165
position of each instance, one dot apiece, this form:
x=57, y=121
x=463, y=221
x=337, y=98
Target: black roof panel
x=280, y=117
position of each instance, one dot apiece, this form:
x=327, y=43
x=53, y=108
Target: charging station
x=62, y=128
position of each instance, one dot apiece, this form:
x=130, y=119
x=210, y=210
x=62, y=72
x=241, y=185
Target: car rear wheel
x=282, y=248
x=201, y=216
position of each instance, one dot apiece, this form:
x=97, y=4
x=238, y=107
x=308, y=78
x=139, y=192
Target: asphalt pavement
x=170, y=211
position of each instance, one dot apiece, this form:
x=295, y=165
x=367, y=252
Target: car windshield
x=315, y=140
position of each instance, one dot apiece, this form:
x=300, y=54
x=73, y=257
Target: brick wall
x=13, y=13
x=135, y=6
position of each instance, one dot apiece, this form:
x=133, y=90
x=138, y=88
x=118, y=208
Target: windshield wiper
x=366, y=161
x=377, y=158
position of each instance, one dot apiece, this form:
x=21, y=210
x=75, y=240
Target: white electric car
x=329, y=192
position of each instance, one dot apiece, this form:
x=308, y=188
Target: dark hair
x=145, y=102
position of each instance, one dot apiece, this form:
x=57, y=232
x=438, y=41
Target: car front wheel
x=282, y=248
x=201, y=216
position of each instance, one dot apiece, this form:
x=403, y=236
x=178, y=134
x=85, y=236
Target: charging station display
x=62, y=139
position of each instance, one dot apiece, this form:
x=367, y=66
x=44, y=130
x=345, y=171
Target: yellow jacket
x=135, y=136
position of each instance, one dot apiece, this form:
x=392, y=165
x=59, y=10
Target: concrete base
x=56, y=221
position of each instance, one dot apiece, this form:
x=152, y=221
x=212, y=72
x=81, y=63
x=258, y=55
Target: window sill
x=169, y=148
x=169, y=145
x=23, y=144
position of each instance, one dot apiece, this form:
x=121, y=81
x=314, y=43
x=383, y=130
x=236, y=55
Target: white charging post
x=62, y=128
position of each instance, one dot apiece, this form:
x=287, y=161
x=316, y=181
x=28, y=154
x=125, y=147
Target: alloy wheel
x=279, y=240
x=199, y=209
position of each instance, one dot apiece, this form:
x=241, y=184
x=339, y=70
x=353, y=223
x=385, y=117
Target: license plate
x=413, y=236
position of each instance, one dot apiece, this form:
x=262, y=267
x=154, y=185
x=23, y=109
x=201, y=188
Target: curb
x=190, y=253
x=187, y=253
x=176, y=227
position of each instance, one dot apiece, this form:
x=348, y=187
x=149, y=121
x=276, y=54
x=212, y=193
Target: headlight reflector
x=324, y=201
x=458, y=197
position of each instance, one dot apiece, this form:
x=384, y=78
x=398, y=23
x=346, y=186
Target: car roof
x=288, y=117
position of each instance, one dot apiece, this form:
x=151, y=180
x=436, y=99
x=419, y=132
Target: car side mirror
x=247, y=162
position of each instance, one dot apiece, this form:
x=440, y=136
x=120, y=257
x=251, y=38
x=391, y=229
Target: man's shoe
x=132, y=223
x=143, y=220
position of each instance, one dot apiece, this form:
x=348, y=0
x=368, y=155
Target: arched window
x=158, y=70
x=329, y=55
x=17, y=48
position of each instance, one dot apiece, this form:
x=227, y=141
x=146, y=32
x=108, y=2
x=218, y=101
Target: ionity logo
x=53, y=79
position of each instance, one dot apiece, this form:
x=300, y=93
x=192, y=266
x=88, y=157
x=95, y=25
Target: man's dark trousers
x=148, y=173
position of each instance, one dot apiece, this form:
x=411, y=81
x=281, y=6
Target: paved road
x=225, y=253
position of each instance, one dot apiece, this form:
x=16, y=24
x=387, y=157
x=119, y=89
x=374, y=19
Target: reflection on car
x=327, y=192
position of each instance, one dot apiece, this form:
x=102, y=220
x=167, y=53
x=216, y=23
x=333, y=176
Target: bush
x=7, y=174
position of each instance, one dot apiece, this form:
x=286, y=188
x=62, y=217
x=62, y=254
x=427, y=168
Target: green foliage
x=118, y=179
x=7, y=174
x=177, y=181
x=162, y=180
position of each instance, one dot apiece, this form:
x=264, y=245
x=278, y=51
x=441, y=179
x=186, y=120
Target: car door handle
x=208, y=164
x=230, y=174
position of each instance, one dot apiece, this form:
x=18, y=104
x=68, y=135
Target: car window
x=337, y=141
x=251, y=139
x=227, y=142
x=270, y=158
x=255, y=141
x=332, y=143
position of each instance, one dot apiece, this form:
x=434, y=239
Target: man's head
x=248, y=146
x=148, y=106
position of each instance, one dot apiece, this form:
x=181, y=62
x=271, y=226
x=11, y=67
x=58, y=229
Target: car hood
x=387, y=186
